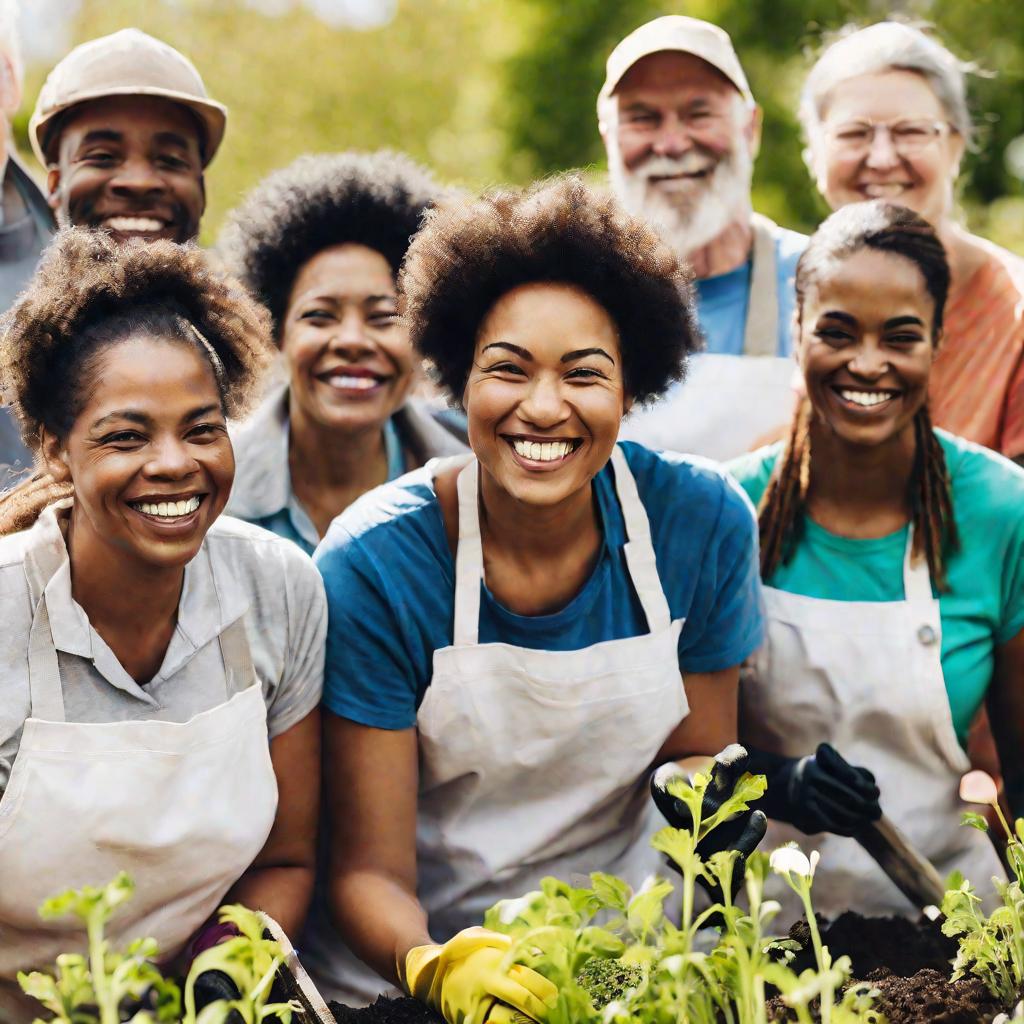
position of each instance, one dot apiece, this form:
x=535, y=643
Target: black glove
x=741, y=833
x=822, y=792
x=213, y=985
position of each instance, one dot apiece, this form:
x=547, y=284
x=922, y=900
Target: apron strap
x=469, y=559
x=917, y=587
x=239, y=670
x=639, y=551
x=45, y=694
x=759, y=335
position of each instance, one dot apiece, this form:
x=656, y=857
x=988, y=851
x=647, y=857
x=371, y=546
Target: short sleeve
x=301, y=685
x=729, y=626
x=371, y=677
x=1011, y=441
x=1012, y=597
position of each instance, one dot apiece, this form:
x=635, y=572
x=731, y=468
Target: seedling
x=107, y=987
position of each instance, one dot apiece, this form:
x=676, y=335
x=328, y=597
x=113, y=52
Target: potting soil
x=387, y=1011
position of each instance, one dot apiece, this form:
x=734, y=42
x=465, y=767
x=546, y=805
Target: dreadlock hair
x=91, y=293
x=883, y=227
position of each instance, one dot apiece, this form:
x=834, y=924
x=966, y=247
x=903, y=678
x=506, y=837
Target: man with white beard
x=681, y=130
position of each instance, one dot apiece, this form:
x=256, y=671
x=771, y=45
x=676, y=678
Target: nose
x=170, y=459
x=671, y=138
x=138, y=176
x=882, y=153
x=869, y=361
x=544, y=404
x=350, y=335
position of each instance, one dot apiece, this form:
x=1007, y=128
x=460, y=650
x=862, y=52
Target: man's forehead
x=138, y=117
x=673, y=72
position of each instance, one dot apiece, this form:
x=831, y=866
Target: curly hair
x=318, y=201
x=469, y=254
x=90, y=293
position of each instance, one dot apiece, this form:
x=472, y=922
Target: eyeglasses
x=907, y=137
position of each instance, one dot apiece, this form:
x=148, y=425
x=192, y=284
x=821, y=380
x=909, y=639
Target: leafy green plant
x=991, y=946
x=109, y=987
x=616, y=957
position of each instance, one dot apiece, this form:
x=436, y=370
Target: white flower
x=790, y=859
x=977, y=787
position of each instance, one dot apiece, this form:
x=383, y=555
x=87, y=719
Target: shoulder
x=788, y=246
x=13, y=548
x=431, y=430
x=985, y=485
x=398, y=517
x=260, y=447
x=685, y=488
x=753, y=470
x=257, y=553
x=998, y=281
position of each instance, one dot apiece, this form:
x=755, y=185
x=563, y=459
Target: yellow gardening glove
x=463, y=978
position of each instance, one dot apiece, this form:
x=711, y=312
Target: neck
x=530, y=533
x=729, y=249
x=861, y=479
x=323, y=459
x=116, y=590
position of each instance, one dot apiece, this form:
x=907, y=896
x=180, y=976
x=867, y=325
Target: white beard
x=686, y=220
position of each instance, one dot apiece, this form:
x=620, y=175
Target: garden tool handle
x=297, y=983
x=912, y=873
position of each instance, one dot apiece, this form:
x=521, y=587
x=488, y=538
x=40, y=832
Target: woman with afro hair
x=319, y=243
x=161, y=663
x=509, y=630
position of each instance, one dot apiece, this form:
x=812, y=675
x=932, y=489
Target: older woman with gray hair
x=885, y=115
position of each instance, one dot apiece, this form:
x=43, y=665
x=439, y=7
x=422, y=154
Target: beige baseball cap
x=680, y=33
x=127, y=63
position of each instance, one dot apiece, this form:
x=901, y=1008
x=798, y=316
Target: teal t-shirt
x=984, y=606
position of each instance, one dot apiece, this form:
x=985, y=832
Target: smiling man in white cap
x=681, y=130
x=125, y=129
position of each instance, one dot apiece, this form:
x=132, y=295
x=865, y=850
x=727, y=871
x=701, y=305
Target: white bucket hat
x=127, y=63
x=684, y=35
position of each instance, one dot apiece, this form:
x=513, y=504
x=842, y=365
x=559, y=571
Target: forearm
x=379, y=918
x=283, y=891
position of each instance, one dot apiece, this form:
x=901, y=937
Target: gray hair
x=887, y=46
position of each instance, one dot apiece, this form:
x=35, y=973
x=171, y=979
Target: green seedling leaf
x=646, y=907
x=611, y=891
x=974, y=821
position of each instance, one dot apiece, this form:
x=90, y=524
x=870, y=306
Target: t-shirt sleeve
x=729, y=626
x=1011, y=443
x=1012, y=618
x=371, y=676
x=302, y=681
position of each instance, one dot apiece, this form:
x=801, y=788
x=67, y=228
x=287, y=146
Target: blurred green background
x=494, y=91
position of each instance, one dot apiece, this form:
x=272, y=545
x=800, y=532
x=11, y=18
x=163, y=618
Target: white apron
x=183, y=807
x=532, y=763
x=728, y=404
x=867, y=678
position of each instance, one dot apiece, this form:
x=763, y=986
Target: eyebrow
x=101, y=135
x=133, y=416
x=521, y=352
x=903, y=321
x=172, y=139
x=835, y=314
x=580, y=353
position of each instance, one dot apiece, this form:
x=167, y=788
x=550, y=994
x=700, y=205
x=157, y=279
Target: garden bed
x=908, y=962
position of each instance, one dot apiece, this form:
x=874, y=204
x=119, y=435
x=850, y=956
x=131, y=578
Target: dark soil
x=387, y=1011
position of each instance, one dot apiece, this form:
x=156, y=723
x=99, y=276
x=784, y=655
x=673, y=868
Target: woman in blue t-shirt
x=509, y=631
x=894, y=558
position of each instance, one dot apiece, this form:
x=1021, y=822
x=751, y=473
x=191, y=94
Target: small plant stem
x=1002, y=820
x=819, y=950
x=98, y=967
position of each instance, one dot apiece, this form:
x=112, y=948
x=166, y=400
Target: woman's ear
x=54, y=455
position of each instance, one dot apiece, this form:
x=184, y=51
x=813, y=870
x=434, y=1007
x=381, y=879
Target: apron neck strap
x=45, y=694
x=239, y=671
x=638, y=551
x=469, y=558
x=759, y=335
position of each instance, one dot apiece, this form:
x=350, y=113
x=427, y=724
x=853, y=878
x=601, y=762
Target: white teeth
x=354, y=383
x=548, y=451
x=866, y=398
x=886, y=191
x=133, y=224
x=168, y=509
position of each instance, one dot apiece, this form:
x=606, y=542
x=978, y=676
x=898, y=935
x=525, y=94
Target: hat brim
x=212, y=115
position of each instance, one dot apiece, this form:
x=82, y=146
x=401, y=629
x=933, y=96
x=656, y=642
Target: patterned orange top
x=977, y=385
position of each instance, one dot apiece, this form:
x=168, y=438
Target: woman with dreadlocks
x=893, y=555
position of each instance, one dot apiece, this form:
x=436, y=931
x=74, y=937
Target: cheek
x=301, y=349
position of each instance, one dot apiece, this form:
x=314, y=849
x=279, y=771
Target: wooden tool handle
x=914, y=875
x=297, y=983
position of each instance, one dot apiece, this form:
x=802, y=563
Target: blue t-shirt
x=389, y=576
x=722, y=301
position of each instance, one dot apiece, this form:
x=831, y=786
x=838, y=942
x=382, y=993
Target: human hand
x=826, y=793
x=464, y=978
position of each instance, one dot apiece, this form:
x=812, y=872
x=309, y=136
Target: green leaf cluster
x=616, y=957
x=991, y=946
x=106, y=986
